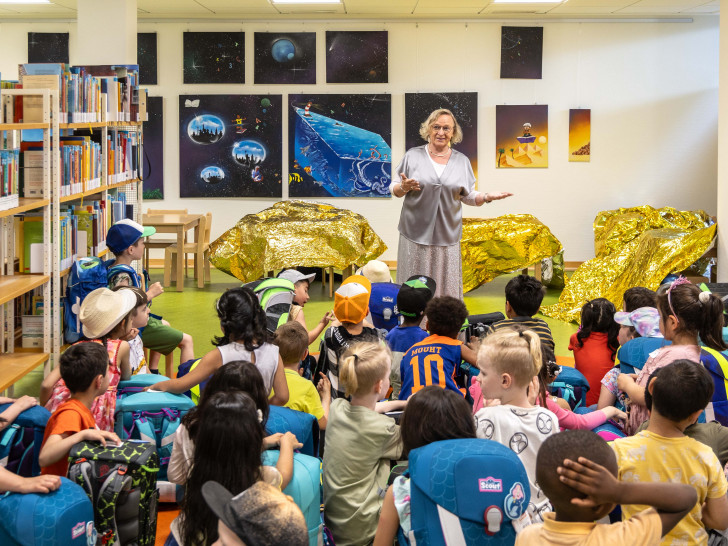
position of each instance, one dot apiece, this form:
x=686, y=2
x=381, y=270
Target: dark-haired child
x=245, y=337
x=595, y=344
x=435, y=359
x=139, y=320
x=412, y=299
x=577, y=470
x=301, y=284
x=638, y=296
x=524, y=295
x=662, y=452
x=84, y=369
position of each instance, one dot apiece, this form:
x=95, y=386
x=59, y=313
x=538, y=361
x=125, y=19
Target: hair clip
x=260, y=416
x=704, y=297
x=557, y=371
x=356, y=358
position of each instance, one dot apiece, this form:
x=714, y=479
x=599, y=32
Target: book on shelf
x=32, y=173
x=32, y=226
x=12, y=105
x=41, y=76
x=9, y=178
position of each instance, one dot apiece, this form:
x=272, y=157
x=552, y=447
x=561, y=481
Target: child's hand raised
x=328, y=317
x=155, y=290
x=324, y=386
x=598, y=484
x=40, y=484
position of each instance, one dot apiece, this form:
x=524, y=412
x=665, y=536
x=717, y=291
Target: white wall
x=652, y=88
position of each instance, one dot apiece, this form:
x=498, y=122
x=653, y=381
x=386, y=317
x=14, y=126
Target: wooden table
x=179, y=224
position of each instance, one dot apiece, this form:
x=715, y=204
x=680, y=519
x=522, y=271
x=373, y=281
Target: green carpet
x=193, y=312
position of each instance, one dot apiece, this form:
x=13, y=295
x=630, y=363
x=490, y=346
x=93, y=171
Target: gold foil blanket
x=292, y=234
x=637, y=246
x=493, y=246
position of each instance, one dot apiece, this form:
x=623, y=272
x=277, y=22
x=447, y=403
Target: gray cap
x=296, y=276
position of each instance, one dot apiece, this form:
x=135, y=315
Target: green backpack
x=275, y=296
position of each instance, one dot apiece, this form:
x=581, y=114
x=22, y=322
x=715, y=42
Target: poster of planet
x=285, y=57
x=48, y=47
x=464, y=106
x=153, y=160
x=230, y=145
x=214, y=57
x=339, y=145
x=521, y=52
x=521, y=136
x=147, y=57
x=357, y=56
x=580, y=135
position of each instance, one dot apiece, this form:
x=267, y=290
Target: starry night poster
x=230, y=145
x=339, y=145
x=464, y=106
x=48, y=47
x=521, y=52
x=357, y=56
x=147, y=57
x=285, y=57
x=153, y=161
x=214, y=57
x=522, y=135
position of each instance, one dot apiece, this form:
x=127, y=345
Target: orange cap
x=351, y=300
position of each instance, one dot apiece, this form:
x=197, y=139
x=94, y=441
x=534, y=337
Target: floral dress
x=104, y=405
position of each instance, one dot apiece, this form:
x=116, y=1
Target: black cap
x=414, y=294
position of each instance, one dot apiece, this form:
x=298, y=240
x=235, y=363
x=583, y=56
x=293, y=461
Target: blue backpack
x=572, y=386
x=64, y=516
x=87, y=274
x=137, y=383
x=716, y=363
x=304, y=488
x=303, y=425
x=466, y=491
x=20, y=441
x=633, y=354
x=383, y=305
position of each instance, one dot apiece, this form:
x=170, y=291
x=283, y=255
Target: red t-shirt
x=594, y=360
x=70, y=417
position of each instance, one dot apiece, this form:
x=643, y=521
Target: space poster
x=230, y=145
x=153, y=164
x=339, y=145
x=521, y=52
x=213, y=57
x=357, y=56
x=285, y=57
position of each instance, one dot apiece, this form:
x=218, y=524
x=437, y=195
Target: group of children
x=667, y=475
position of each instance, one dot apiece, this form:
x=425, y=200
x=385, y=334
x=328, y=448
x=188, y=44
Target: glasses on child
x=444, y=128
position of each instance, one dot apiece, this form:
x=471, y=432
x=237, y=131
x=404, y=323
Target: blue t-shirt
x=432, y=361
x=401, y=338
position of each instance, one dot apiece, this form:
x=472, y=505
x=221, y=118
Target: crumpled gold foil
x=292, y=234
x=493, y=246
x=637, y=246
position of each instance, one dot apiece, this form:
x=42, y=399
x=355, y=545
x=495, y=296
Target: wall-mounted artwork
x=339, y=145
x=464, y=106
x=521, y=52
x=521, y=136
x=48, y=47
x=153, y=160
x=230, y=145
x=580, y=134
x=285, y=57
x=214, y=57
x=147, y=57
x=357, y=56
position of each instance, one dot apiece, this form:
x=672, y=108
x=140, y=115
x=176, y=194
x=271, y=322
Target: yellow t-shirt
x=644, y=528
x=302, y=395
x=648, y=457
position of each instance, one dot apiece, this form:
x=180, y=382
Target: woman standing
x=434, y=180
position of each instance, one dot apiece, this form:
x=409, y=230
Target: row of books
x=9, y=178
x=81, y=160
x=28, y=312
x=123, y=156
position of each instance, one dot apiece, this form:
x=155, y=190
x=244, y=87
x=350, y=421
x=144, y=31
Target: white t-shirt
x=523, y=430
x=136, y=356
x=266, y=359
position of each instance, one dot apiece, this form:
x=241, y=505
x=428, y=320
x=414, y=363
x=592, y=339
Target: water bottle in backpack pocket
x=20, y=441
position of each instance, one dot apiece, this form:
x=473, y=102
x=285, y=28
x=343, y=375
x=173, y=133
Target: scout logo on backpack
x=121, y=483
x=275, y=297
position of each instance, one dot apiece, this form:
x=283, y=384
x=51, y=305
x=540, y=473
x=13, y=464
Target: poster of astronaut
x=230, y=145
x=339, y=145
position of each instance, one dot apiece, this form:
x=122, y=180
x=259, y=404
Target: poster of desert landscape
x=521, y=136
x=580, y=134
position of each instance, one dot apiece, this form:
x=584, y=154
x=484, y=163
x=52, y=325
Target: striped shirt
x=536, y=324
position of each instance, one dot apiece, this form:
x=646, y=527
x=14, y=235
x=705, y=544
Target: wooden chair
x=200, y=249
x=160, y=243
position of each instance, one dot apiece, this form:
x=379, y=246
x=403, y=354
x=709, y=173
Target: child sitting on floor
x=301, y=283
x=139, y=320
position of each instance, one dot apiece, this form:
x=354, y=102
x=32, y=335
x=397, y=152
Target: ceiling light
x=25, y=1
x=306, y=1
x=529, y=1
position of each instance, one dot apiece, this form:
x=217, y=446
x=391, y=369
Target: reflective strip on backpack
x=452, y=532
x=717, y=364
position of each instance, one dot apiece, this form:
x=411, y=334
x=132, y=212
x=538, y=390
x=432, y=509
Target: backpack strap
x=116, y=482
x=717, y=364
x=6, y=442
x=452, y=532
x=169, y=429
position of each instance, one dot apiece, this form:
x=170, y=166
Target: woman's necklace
x=439, y=155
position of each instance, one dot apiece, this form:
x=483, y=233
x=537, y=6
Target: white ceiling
x=384, y=9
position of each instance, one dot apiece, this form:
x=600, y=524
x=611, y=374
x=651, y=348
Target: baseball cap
x=351, y=299
x=375, y=271
x=260, y=516
x=103, y=309
x=645, y=320
x=295, y=276
x=414, y=294
x=125, y=233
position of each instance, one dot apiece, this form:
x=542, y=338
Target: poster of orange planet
x=580, y=134
x=521, y=136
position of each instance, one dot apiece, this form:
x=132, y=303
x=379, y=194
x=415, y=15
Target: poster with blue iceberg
x=339, y=145
x=230, y=145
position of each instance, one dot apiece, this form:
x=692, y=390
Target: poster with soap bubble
x=230, y=145
x=339, y=145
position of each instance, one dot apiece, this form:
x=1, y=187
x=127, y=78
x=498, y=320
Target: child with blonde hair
x=509, y=362
x=359, y=446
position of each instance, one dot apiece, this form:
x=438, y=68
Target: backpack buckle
x=121, y=470
x=493, y=518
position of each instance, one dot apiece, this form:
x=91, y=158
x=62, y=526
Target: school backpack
x=21, y=440
x=571, y=385
x=609, y=431
x=86, y=275
x=716, y=362
x=137, y=383
x=121, y=482
x=383, y=305
x=304, y=488
x=196, y=390
x=276, y=297
x=303, y=425
x=634, y=354
x=465, y=491
x=64, y=516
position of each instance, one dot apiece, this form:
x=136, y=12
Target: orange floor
x=166, y=513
